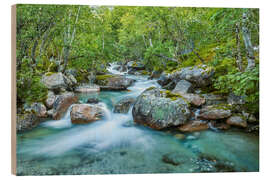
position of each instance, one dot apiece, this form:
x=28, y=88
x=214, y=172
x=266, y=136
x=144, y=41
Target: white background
x=5, y=86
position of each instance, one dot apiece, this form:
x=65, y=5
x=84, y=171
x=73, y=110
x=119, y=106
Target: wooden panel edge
x=13, y=89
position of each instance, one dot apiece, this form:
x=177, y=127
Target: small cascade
x=196, y=114
x=64, y=122
x=212, y=127
x=112, y=69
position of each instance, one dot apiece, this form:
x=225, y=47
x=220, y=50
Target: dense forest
x=55, y=38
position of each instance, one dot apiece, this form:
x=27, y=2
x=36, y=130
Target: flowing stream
x=116, y=145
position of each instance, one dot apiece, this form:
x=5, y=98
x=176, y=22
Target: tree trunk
x=238, y=49
x=247, y=41
x=33, y=52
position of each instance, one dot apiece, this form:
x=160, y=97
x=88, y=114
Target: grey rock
x=183, y=86
x=215, y=112
x=54, y=81
x=123, y=105
x=153, y=109
x=199, y=76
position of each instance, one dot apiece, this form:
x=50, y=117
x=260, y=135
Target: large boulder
x=62, y=103
x=183, y=86
x=200, y=76
x=159, y=110
x=113, y=82
x=85, y=113
x=54, y=81
x=70, y=80
x=237, y=120
x=123, y=105
x=50, y=99
x=215, y=112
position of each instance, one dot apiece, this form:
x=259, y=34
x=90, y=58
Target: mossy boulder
x=199, y=76
x=113, y=82
x=158, y=109
x=237, y=120
x=26, y=121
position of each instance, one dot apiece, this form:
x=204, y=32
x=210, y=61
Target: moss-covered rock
x=159, y=109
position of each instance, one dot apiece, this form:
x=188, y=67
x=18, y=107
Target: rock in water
x=163, y=79
x=215, y=112
x=174, y=158
x=123, y=105
x=200, y=76
x=85, y=113
x=193, y=126
x=154, y=109
x=183, y=86
x=237, y=121
x=113, y=82
x=93, y=100
x=62, y=103
x=54, y=81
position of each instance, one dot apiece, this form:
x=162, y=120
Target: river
x=116, y=145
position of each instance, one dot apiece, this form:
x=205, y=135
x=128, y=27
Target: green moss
x=49, y=73
x=150, y=88
x=173, y=96
x=103, y=79
x=222, y=106
x=144, y=72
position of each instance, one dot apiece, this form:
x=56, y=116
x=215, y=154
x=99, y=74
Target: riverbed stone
x=237, y=120
x=113, y=82
x=135, y=65
x=193, y=126
x=174, y=158
x=194, y=99
x=214, y=99
x=199, y=76
x=154, y=108
x=62, y=103
x=164, y=80
x=85, y=113
x=215, y=112
x=124, y=105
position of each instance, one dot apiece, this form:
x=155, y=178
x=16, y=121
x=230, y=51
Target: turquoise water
x=116, y=145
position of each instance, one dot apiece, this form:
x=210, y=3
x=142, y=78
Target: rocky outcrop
x=62, y=103
x=238, y=121
x=183, y=86
x=85, y=113
x=193, y=126
x=50, y=99
x=215, y=112
x=113, y=82
x=200, y=76
x=158, y=110
x=93, y=100
x=85, y=88
x=123, y=105
x=54, y=81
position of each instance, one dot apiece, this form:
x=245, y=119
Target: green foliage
x=29, y=86
x=244, y=84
